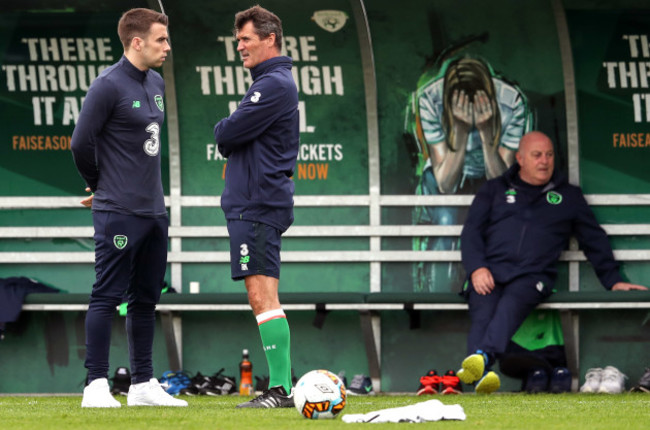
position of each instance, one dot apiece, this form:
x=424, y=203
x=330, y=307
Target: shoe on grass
x=450, y=383
x=489, y=383
x=274, y=397
x=151, y=393
x=473, y=368
x=97, y=394
x=644, y=382
x=361, y=385
x=592, y=380
x=121, y=381
x=612, y=382
x=560, y=381
x=221, y=385
x=429, y=383
x=537, y=381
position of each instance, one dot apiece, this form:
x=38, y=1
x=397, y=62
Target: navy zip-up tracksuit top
x=116, y=148
x=261, y=140
x=515, y=229
x=116, y=143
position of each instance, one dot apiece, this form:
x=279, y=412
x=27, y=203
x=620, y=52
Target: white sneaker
x=97, y=394
x=592, y=380
x=612, y=382
x=151, y=394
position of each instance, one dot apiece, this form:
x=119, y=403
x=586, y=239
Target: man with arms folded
x=260, y=140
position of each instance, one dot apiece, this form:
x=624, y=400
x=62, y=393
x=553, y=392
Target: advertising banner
x=321, y=38
x=611, y=52
x=48, y=62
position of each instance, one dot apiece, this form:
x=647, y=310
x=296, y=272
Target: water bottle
x=245, y=375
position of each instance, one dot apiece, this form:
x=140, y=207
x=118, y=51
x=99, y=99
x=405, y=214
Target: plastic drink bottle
x=245, y=375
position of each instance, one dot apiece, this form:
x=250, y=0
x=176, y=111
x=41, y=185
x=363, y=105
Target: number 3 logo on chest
x=152, y=145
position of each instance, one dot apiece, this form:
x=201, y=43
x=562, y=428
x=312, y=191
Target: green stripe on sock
x=276, y=341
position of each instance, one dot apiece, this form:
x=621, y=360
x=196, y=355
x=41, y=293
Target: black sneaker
x=198, y=383
x=220, y=385
x=274, y=397
x=560, y=381
x=121, y=381
x=537, y=381
x=644, y=382
x=361, y=385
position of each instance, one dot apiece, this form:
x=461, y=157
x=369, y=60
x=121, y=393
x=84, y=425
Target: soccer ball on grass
x=319, y=394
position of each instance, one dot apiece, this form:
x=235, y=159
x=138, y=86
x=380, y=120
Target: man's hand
x=626, y=286
x=88, y=201
x=483, y=281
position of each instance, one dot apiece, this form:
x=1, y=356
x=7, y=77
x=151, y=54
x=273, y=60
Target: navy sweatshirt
x=260, y=140
x=116, y=142
x=516, y=229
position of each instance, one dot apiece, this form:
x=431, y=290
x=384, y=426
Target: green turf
x=497, y=411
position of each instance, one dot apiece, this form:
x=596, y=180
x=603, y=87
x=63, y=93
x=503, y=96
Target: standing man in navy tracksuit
x=116, y=148
x=260, y=140
x=516, y=229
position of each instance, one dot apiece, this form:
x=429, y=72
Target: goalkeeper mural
x=466, y=121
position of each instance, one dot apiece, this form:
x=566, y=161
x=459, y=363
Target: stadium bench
x=368, y=305
x=376, y=252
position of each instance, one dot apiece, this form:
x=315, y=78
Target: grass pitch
x=497, y=411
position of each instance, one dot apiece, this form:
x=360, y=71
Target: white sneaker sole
x=180, y=403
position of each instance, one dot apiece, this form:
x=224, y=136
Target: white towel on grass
x=431, y=410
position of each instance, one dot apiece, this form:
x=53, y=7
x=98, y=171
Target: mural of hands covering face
x=467, y=121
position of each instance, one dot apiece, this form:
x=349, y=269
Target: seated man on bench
x=517, y=226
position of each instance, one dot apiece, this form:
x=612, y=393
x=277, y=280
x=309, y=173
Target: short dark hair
x=137, y=23
x=264, y=21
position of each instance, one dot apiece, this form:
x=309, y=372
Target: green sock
x=276, y=341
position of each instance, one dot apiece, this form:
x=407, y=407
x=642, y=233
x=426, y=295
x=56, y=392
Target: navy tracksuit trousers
x=130, y=262
x=495, y=317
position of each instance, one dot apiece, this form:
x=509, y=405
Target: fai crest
x=159, y=103
x=119, y=240
x=330, y=20
x=554, y=198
